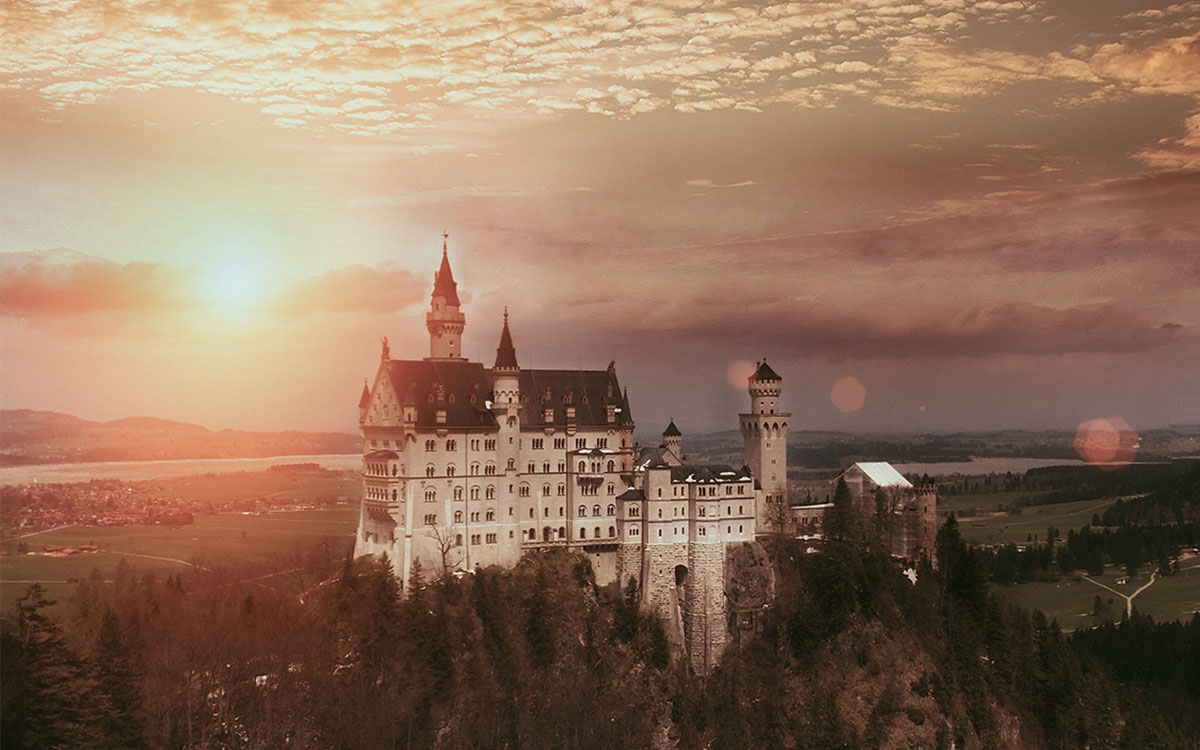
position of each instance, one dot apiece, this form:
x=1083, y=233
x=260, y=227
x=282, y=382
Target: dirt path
x=44, y=531
x=1128, y=599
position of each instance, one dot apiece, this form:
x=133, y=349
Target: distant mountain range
x=37, y=437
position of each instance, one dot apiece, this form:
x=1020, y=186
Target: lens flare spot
x=921, y=408
x=848, y=395
x=738, y=372
x=1109, y=443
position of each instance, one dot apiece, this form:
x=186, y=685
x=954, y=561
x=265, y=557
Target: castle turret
x=506, y=372
x=364, y=401
x=764, y=436
x=445, y=320
x=673, y=439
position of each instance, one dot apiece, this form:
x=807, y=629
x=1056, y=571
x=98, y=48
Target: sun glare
x=233, y=283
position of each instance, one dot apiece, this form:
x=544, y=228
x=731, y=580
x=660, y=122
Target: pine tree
x=120, y=704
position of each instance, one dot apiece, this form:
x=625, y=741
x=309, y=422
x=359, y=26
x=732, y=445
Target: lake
x=985, y=466
x=138, y=470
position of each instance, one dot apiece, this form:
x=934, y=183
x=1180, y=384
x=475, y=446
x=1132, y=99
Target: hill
x=35, y=437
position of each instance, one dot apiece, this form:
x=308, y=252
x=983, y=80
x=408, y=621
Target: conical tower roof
x=672, y=430
x=365, y=398
x=506, y=353
x=443, y=281
x=764, y=372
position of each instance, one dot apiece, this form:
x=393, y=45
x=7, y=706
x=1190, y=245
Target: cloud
x=64, y=283
x=353, y=289
x=706, y=183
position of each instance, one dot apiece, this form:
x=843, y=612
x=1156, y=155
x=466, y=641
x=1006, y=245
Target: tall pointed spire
x=506, y=353
x=443, y=281
x=365, y=398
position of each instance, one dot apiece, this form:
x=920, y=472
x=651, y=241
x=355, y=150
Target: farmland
x=1032, y=520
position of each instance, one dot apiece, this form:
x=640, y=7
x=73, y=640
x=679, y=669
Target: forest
x=852, y=654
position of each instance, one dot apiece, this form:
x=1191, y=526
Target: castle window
x=633, y=511
x=394, y=467
x=560, y=512
x=702, y=512
x=531, y=512
x=475, y=539
x=582, y=467
x=395, y=495
x=660, y=491
x=545, y=489
x=595, y=510
x=475, y=516
x=450, y=470
x=474, y=445
x=701, y=529
x=475, y=492
x=458, y=516
x=546, y=512
x=739, y=510
x=429, y=470
x=474, y=469
x=532, y=467
x=451, y=445
x=430, y=494
x=612, y=531
x=583, y=533
x=491, y=515
x=431, y=519
x=739, y=528
x=490, y=493
x=560, y=443
x=489, y=445
x=562, y=489
x=660, y=532
x=546, y=467
x=597, y=534
x=458, y=493
x=458, y=540
x=583, y=511
x=430, y=446
x=580, y=442
x=512, y=464
x=562, y=532
x=491, y=538
x=489, y=470
x=524, y=492
x=602, y=443
x=611, y=466
x=660, y=512
x=537, y=444
x=633, y=531
x=611, y=489
x=611, y=509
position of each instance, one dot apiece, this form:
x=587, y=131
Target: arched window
x=595, y=510
x=395, y=495
x=612, y=509
x=458, y=540
x=474, y=469
x=458, y=493
x=597, y=534
x=562, y=466
x=512, y=464
x=533, y=535
x=633, y=511
x=612, y=531
x=562, y=489
x=491, y=515
x=545, y=489
x=532, y=467
x=429, y=470
x=582, y=466
x=475, y=493
x=430, y=446
x=490, y=493
x=546, y=467
x=524, y=490
x=394, y=467
x=633, y=531
x=611, y=466
x=458, y=516
x=612, y=490
x=450, y=470
x=430, y=494
x=583, y=533
x=451, y=445
x=489, y=469
x=583, y=511
x=562, y=532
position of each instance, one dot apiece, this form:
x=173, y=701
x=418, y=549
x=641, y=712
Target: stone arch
x=681, y=574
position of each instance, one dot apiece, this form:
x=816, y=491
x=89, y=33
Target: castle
x=466, y=466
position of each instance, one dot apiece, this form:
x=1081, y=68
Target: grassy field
x=300, y=486
x=1032, y=520
x=240, y=544
x=982, y=502
x=1070, y=601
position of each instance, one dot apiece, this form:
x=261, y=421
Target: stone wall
x=705, y=628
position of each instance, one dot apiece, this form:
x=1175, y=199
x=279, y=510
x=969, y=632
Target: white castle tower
x=764, y=435
x=444, y=320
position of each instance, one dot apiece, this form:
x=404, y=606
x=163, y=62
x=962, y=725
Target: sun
x=234, y=283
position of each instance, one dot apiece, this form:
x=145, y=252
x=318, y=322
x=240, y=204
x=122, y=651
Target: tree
x=120, y=707
x=46, y=689
x=444, y=540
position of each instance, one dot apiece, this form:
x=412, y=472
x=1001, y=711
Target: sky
x=927, y=217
